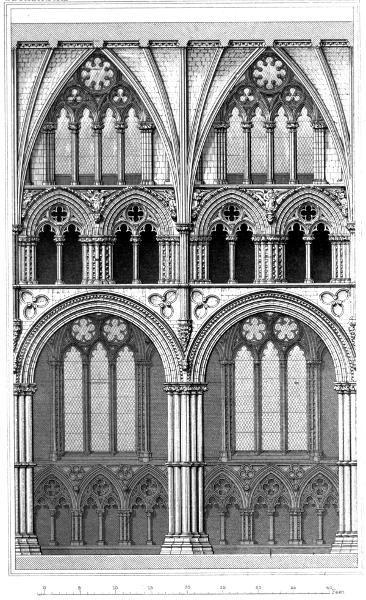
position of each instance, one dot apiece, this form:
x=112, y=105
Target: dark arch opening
x=219, y=256
x=122, y=256
x=244, y=256
x=149, y=256
x=72, y=261
x=46, y=261
x=321, y=256
x=295, y=256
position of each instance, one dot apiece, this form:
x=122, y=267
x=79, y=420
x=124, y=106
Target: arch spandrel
x=327, y=328
x=79, y=305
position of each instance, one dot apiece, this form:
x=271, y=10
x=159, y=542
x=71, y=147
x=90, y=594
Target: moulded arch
x=266, y=472
x=293, y=201
x=45, y=201
x=100, y=470
x=309, y=475
x=220, y=471
x=328, y=329
x=121, y=199
x=111, y=303
x=256, y=216
x=146, y=471
x=52, y=470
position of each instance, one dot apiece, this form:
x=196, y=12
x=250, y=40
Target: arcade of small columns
x=147, y=153
x=185, y=465
x=97, y=259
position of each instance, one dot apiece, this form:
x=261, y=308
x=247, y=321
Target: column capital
x=17, y=228
x=59, y=239
x=269, y=125
x=49, y=127
x=308, y=238
x=185, y=387
x=320, y=125
x=25, y=388
x=221, y=125
x=120, y=126
x=292, y=125
x=247, y=125
x=184, y=227
x=98, y=127
x=146, y=126
x=231, y=237
x=74, y=127
x=345, y=387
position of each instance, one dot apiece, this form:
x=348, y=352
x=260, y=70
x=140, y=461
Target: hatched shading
x=73, y=401
x=271, y=399
x=244, y=400
x=297, y=400
x=99, y=400
x=125, y=400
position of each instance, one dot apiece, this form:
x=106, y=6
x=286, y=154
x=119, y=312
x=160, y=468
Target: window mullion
x=283, y=404
x=86, y=403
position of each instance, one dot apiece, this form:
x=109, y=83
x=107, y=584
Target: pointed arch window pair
x=271, y=405
x=99, y=400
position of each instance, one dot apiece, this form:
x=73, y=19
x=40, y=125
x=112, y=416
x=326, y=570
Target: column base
x=27, y=544
x=345, y=543
x=186, y=544
x=246, y=542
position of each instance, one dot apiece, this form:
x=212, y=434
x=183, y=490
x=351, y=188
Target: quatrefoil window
x=286, y=329
x=231, y=212
x=115, y=330
x=308, y=212
x=254, y=329
x=269, y=73
x=83, y=330
x=135, y=213
x=59, y=213
x=97, y=74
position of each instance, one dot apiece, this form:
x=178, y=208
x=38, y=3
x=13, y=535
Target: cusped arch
x=222, y=472
x=101, y=472
x=265, y=475
x=324, y=325
x=111, y=303
x=253, y=214
x=312, y=474
x=52, y=471
x=119, y=202
x=330, y=213
x=79, y=214
x=148, y=472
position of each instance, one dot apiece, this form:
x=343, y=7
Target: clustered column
x=74, y=129
x=49, y=153
x=269, y=258
x=97, y=259
x=346, y=538
x=27, y=259
x=221, y=152
x=185, y=471
x=270, y=127
x=26, y=541
x=168, y=259
x=319, y=129
x=340, y=259
x=199, y=258
x=247, y=143
x=147, y=135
